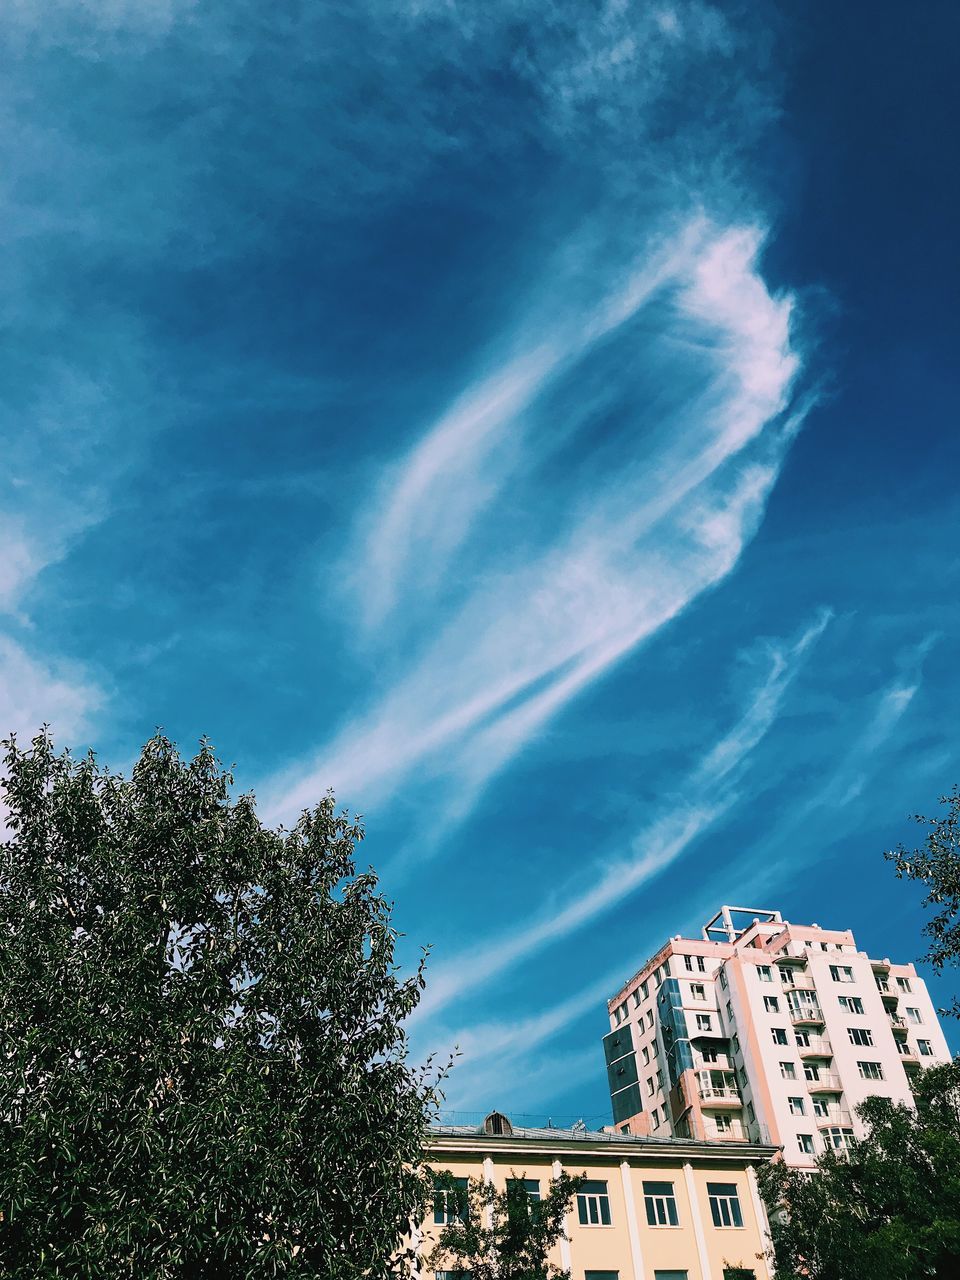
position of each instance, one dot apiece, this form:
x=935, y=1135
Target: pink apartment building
x=765, y=1031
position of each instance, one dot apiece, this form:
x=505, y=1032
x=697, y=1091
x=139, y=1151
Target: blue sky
x=536, y=421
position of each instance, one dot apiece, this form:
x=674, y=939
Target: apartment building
x=765, y=1031
x=651, y=1209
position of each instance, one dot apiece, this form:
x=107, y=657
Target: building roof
x=602, y=1142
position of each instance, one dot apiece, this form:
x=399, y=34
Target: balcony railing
x=719, y=1093
x=816, y=1047
x=806, y=1013
x=835, y=1116
x=825, y=1082
x=794, y=981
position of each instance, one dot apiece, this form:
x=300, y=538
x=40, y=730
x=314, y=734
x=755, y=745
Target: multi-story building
x=651, y=1208
x=766, y=1031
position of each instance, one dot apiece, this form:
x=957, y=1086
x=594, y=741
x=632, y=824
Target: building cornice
x=571, y=1150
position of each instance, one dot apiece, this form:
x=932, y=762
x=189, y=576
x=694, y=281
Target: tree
x=891, y=1210
x=203, y=1066
x=504, y=1235
x=936, y=864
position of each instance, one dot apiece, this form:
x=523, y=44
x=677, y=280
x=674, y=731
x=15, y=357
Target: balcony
x=907, y=1051
x=815, y=1047
x=826, y=1082
x=783, y=958
x=806, y=1012
x=834, y=1116
x=718, y=1088
x=794, y=980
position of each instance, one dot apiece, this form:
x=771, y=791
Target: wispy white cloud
x=660, y=843
x=631, y=549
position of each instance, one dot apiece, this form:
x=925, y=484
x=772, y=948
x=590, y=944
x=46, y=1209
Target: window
x=903, y=984
x=735, y=1044
x=751, y=1115
x=655, y=1115
x=723, y=980
x=646, y=1055
x=788, y=1071
x=452, y=1275
x=530, y=1185
x=821, y=1107
x=644, y=989
x=841, y=973
x=742, y=1076
x=593, y=1204
x=870, y=1070
x=688, y=962
x=764, y=973
x=669, y=1275
x=701, y=967
x=601, y=1275
x=803, y=1039
x=860, y=1035
x=704, y=1022
x=698, y=991
x=661, y=1204
x=739, y=1273
x=710, y=1055
x=771, y=1004
x=796, y=1106
x=913, y=1015
x=779, y=1035
x=724, y=1124
x=805, y=1143
x=659, y=1079
x=839, y=1139
x=811, y=1071
x=852, y=1004
x=650, y=1088
x=649, y=1018
x=450, y=1203
x=724, y=1204
x=926, y=1048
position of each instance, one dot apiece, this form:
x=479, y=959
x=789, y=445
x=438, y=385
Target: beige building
x=765, y=1031
x=651, y=1208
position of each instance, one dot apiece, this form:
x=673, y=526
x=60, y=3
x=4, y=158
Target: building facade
x=765, y=1031
x=651, y=1208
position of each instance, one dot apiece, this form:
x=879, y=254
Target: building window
x=860, y=1035
x=688, y=963
x=739, y=1273
x=655, y=1116
x=724, y=1204
x=821, y=1107
x=852, y=1004
x=704, y=1022
x=650, y=1088
x=450, y=1203
x=803, y=1039
x=729, y=1011
x=452, y=1275
x=840, y=1139
x=764, y=973
x=701, y=967
x=735, y=1044
x=646, y=1055
x=644, y=988
x=788, y=1071
x=669, y=1275
x=530, y=1185
x=841, y=973
x=771, y=1004
x=723, y=980
x=698, y=991
x=742, y=1076
x=805, y=1143
x=779, y=1035
x=661, y=1204
x=913, y=1015
x=601, y=1275
x=870, y=1070
x=903, y=984
x=593, y=1204
x=710, y=1055
x=659, y=1079
x=649, y=1018
x=751, y=1115
x=724, y=1124
x=796, y=1106
x=926, y=1048
x=637, y=998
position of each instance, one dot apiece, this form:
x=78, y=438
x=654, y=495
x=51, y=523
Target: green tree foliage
x=504, y=1235
x=203, y=1066
x=936, y=865
x=889, y=1212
